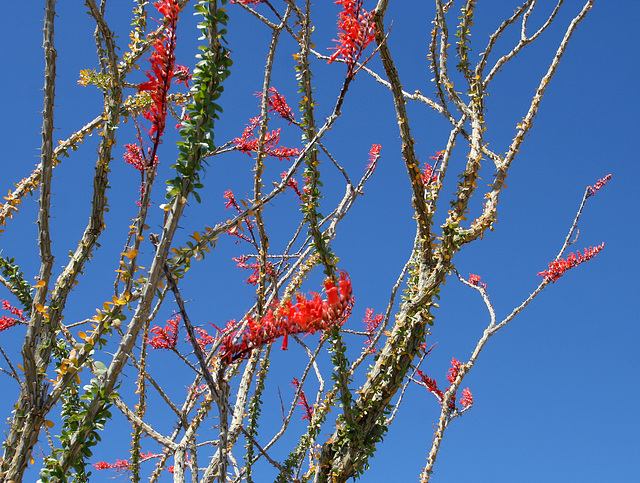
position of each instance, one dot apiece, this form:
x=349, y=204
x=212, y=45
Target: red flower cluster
x=308, y=409
x=8, y=322
x=293, y=184
x=601, y=182
x=13, y=310
x=304, y=317
x=198, y=390
x=439, y=156
x=231, y=200
x=232, y=203
x=118, y=465
x=467, y=398
x=135, y=157
x=557, y=268
x=248, y=142
x=432, y=386
x=371, y=324
x=357, y=30
x=182, y=74
x=255, y=266
x=163, y=62
x=167, y=337
x=163, y=69
x=428, y=176
x=204, y=338
x=374, y=154
x=124, y=465
x=455, y=369
x=278, y=103
x=475, y=280
x=236, y=231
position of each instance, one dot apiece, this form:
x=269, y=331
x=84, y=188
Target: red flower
x=133, y=156
x=601, y=182
x=13, y=310
x=455, y=368
x=428, y=176
x=255, y=266
x=293, y=184
x=167, y=337
x=148, y=455
x=231, y=200
x=357, y=30
x=374, y=154
x=204, y=340
x=278, y=103
x=124, y=465
x=439, y=156
x=557, y=268
x=247, y=143
x=8, y=322
x=160, y=74
x=371, y=324
x=162, y=70
x=282, y=152
x=475, y=280
x=467, y=398
x=237, y=233
x=431, y=384
x=236, y=230
x=333, y=297
x=185, y=118
x=118, y=465
x=181, y=74
x=305, y=316
x=308, y=409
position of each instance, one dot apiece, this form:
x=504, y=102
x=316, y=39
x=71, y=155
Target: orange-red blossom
x=302, y=317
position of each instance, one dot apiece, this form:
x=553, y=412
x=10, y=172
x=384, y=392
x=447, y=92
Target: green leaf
x=101, y=368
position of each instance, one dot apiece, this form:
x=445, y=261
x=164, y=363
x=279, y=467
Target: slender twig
x=447, y=414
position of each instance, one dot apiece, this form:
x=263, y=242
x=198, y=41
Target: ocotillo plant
x=188, y=357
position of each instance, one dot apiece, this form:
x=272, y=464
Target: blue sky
x=555, y=391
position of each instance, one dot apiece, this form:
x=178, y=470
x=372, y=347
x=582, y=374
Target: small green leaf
x=101, y=368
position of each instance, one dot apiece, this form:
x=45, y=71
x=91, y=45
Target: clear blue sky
x=555, y=391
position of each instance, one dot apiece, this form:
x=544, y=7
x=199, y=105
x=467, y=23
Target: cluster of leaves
x=307, y=440
x=253, y=414
x=464, y=33
x=198, y=125
x=21, y=288
x=75, y=409
x=89, y=77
